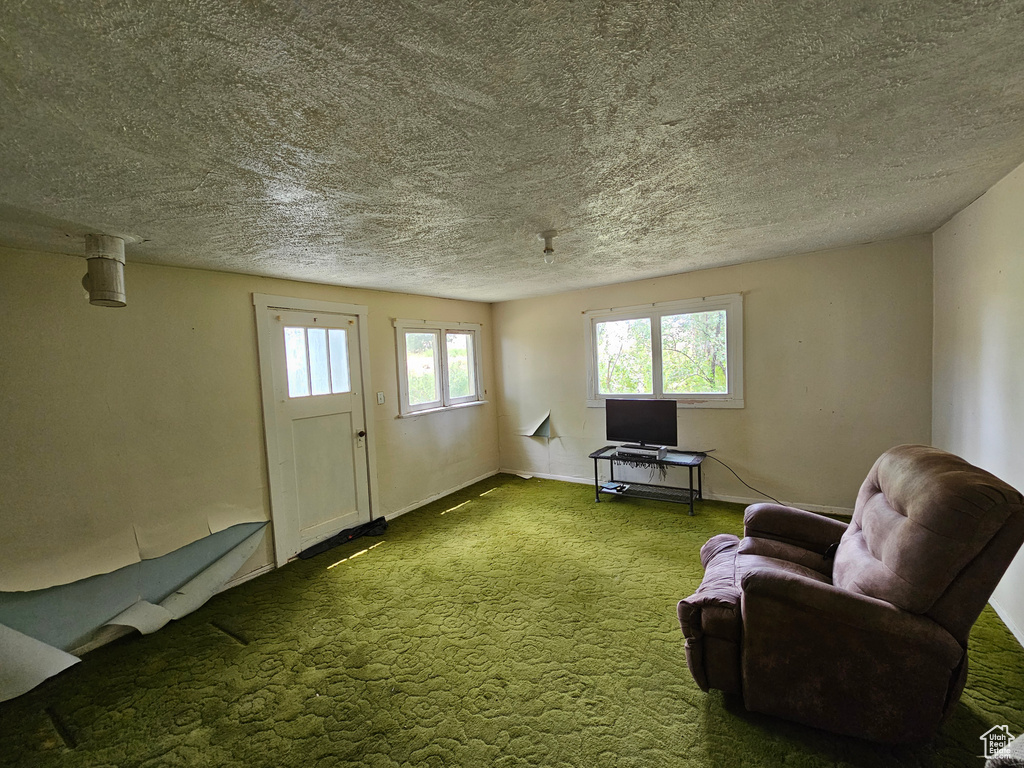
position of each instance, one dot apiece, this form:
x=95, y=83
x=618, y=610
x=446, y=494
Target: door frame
x=285, y=525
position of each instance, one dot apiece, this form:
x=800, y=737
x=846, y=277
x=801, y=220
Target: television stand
x=671, y=458
x=644, y=451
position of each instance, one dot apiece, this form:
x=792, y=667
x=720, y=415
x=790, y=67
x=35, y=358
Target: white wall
x=133, y=431
x=978, y=395
x=837, y=369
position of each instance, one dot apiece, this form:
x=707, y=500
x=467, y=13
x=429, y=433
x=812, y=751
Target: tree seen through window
x=624, y=360
x=693, y=353
x=421, y=366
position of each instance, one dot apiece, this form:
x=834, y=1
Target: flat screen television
x=644, y=422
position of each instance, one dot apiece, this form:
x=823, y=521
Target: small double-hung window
x=438, y=365
x=690, y=351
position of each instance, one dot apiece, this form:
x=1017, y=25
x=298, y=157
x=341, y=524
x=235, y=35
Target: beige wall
x=140, y=429
x=978, y=393
x=837, y=369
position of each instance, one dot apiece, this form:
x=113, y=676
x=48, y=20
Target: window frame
x=441, y=329
x=732, y=303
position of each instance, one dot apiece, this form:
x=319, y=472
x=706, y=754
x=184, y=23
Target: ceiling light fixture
x=105, y=279
x=549, y=250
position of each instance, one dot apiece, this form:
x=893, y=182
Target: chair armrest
x=792, y=526
x=796, y=599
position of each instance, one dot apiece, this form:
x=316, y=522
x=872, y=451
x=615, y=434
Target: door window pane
x=296, y=362
x=317, y=361
x=318, y=371
x=340, y=377
x=693, y=353
x=421, y=358
x=461, y=368
x=624, y=360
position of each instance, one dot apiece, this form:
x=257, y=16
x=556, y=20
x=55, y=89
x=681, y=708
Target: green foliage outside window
x=693, y=353
x=460, y=365
x=421, y=365
x=421, y=356
x=624, y=360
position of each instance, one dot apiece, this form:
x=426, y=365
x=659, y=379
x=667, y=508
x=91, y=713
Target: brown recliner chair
x=858, y=629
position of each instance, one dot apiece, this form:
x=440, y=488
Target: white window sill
x=694, y=403
x=441, y=409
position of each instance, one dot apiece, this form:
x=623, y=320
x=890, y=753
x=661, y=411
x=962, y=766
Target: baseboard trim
x=423, y=502
x=844, y=511
x=546, y=476
x=1011, y=625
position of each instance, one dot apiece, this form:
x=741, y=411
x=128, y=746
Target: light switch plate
x=380, y=398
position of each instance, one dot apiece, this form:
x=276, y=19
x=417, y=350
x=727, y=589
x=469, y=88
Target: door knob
x=361, y=433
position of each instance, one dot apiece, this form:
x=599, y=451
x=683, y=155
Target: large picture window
x=689, y=351
x=438, y=365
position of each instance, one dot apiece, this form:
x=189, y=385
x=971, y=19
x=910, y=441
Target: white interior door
x=315, y=423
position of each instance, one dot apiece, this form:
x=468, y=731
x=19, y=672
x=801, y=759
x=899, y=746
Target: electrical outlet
x=380, y=398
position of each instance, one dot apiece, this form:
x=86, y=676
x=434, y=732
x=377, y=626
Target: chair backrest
x=931, y=534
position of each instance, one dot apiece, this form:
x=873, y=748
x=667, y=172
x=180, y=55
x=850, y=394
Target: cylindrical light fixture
x=105, y=278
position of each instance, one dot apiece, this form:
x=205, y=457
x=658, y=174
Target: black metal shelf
x=639, y=490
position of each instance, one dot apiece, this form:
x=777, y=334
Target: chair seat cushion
x=711, y=618
x=778, y=554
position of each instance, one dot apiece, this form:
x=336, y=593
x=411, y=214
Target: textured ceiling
x=422, y=146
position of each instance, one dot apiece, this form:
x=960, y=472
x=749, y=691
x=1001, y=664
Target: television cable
x=755, y=490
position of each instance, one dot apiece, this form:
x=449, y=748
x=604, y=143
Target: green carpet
x=514, y=623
